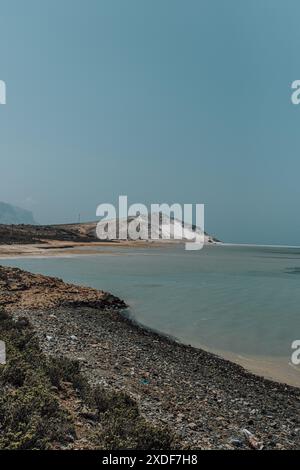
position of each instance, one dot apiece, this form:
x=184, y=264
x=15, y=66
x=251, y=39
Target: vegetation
x=37, y=396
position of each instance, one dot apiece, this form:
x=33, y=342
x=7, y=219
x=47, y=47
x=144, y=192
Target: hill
x=10, y=214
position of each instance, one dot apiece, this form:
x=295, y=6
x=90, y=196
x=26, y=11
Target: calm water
x=243, y=302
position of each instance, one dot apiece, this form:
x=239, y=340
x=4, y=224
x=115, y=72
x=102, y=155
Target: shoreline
x=57, y=248
x=207, y=400
x=260, y=366
x=279, y=370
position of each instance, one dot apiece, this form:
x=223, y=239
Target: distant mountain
x=14, y=215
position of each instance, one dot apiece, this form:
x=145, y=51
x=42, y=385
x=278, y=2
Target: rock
x=251, y=440
x=236, y=442
x=192, y=425
x=180, y=417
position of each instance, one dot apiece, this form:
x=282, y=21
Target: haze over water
x=242, y=302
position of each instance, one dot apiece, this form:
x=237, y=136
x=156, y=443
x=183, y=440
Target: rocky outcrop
x=21, y=289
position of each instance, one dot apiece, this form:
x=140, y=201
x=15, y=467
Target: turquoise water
x=240, y=301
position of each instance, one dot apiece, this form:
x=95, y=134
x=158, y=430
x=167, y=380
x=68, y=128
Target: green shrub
x=30, y=414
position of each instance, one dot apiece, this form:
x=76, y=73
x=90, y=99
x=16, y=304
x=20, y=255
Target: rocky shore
x=208, y=402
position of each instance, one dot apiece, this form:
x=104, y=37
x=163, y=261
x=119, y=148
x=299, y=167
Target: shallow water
x=242, y=302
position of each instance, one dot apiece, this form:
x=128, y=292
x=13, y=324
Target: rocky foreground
x=207, y=402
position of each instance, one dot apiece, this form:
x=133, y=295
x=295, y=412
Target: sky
x=162, y=101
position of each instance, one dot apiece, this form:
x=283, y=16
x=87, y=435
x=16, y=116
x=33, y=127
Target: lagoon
x=241, y=302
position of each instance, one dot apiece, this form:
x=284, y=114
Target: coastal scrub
x=46, y=403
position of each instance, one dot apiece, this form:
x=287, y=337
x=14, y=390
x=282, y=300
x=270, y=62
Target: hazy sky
x=162, y=100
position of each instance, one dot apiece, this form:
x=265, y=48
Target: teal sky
x=162, y=100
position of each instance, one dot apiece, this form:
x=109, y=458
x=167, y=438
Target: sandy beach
x=65, y=248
